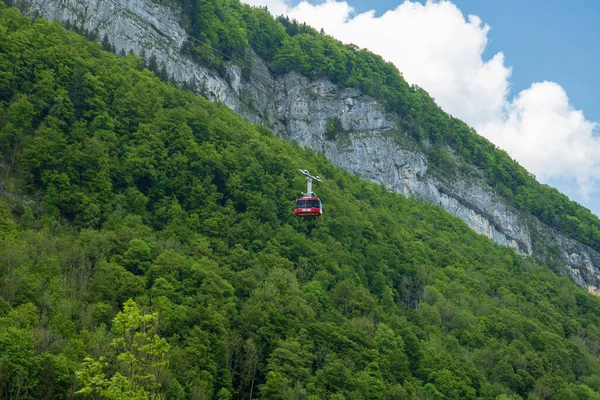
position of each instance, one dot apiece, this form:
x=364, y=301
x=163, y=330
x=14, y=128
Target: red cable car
x=309, y=205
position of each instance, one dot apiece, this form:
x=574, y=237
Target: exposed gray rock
x=369, y=142
x=571, y=257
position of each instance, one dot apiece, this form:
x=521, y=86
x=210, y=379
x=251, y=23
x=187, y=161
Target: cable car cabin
x=308, y=207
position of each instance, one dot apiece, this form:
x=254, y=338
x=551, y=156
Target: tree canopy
x=148, y=249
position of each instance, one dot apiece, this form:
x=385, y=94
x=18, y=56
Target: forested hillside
x=148, y=250
x=223, y=29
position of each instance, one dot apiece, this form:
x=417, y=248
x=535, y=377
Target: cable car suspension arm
x=309, y=179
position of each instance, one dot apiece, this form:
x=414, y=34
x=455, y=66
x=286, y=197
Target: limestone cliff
x=368, y=140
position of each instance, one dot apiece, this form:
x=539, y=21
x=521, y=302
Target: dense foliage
x=135, y=190
x=226, y=27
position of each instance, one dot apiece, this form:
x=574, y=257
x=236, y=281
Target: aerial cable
x=264, y=79
x=267, y=80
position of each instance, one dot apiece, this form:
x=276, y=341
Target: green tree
x=333, y=127
x=153, y=64
x=27, y=219
x=7, y=226
x=19, y=364
x=106, y=45
x=141, y=359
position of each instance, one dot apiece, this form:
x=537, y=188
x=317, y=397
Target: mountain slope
x=370, y=121
x=119, y=186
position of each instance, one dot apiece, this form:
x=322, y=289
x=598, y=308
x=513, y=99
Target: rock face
x=367, y=140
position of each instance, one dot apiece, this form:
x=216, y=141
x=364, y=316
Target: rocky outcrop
x=367, y=140
x=567, y=256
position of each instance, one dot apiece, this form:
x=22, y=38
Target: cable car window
x=312, y=204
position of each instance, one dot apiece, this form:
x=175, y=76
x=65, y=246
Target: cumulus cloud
x=432, y=44
x=436, y=47
x=548, y=137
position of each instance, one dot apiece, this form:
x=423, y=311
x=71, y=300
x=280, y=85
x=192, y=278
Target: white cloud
x=437, y=48
x=548, y=137
x=431, y=44
x=276, y=7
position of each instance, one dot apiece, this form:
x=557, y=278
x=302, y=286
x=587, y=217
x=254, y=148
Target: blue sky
x=529, y=84
x=555, y=40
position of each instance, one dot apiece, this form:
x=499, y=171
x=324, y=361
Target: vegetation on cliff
x=119, y=186
x=232, y=28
